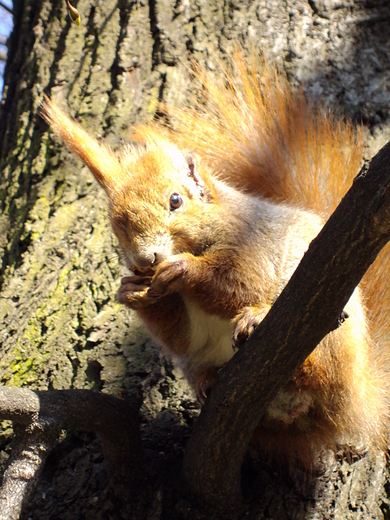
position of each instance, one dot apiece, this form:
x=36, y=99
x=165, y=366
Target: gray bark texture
x=62, y=328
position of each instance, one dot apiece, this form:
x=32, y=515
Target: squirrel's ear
x=193, y=172
x=104, y=165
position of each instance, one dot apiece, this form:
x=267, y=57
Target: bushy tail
x=259, y=134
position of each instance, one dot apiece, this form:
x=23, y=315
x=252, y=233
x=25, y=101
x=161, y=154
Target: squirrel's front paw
x=245, y=323
x=169, y=275
x=133, y=291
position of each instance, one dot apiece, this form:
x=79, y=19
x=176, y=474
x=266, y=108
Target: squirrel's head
x=158, y=202
x=155, y=214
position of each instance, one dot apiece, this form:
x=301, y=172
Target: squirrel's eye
x=175, y=201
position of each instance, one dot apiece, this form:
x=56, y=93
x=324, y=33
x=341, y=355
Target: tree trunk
x=62, y=327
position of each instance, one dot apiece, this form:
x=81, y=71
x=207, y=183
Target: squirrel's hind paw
x=204, y=381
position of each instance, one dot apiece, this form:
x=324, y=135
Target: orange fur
x=213, y=241
x=100, y=160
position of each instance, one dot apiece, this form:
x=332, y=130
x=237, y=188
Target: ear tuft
x=104, y=165
x=193, y=172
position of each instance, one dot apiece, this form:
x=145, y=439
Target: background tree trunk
x=62, y=327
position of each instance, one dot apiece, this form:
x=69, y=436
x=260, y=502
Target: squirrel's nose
x=146, y=259
x=159, y=257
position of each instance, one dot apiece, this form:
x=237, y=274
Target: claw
x=246, y=322
x=205, y=380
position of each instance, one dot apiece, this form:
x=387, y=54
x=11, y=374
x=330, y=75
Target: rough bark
x=61, y=326
x=38, y=419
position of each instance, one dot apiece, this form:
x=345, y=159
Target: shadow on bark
x=38, y=419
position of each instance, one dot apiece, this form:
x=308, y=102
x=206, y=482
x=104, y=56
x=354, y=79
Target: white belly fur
x=211, y=346
x=210, y=338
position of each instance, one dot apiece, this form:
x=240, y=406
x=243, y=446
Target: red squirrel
x=214, y=216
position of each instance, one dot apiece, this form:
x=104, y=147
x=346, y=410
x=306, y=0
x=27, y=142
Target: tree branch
x=305, y=312
x=40, y=416
x=6, y=8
